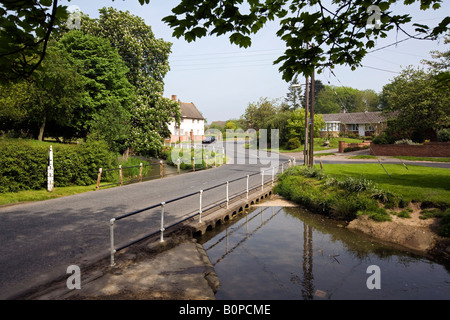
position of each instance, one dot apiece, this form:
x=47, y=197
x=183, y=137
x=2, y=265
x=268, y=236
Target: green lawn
x=416, y=184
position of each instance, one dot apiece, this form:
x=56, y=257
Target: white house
x=362, y=123
x=192, y=126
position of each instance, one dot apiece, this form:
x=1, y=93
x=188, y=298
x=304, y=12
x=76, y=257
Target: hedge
x=23, y=163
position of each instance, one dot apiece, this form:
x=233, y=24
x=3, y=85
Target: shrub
x=293, y=143
x=23, y=163
x=443, y=135
x=406, y=141
x=383, y=139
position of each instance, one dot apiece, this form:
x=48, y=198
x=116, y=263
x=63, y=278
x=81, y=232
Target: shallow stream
x=285, y=253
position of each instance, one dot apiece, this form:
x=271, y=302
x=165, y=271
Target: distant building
x=362, y=123
x=192, y=126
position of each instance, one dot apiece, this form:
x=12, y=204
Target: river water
x=285, y=253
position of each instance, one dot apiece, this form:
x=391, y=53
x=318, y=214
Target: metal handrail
x=199, y=212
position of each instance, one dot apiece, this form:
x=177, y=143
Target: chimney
x=174, y=97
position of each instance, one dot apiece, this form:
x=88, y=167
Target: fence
x=209, y=162
x=198, y=212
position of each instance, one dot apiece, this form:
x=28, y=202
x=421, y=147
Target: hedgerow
x=23, y=163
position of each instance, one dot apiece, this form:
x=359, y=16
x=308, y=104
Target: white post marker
x=50, y=173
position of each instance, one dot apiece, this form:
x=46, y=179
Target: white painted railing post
x=111, y=238
x=200, y=210
x=273, y=174
x=162, y=222
x=247, y=185
x=50, y=171
x=227, y=194
x=262, y=180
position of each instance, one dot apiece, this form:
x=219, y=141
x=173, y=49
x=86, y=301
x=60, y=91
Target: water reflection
x=288, y=253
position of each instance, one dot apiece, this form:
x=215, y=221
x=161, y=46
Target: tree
x=440, y=66
x=296, y=125
x=318, y=87
x=257, y=113
x=108, y=96
x=25, y=30
x=147, y=60
x=327, y=101
x=420, y=108
x=294, y=96
x=49, y=97
x=338, y=34
x=340, y=31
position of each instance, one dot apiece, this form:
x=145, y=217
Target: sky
x=221, y=79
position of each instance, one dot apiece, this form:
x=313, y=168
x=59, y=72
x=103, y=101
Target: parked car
x=209, y=139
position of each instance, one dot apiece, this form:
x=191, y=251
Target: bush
x=443, y=135
x=406, y=141
x=23, y=163
x=384, y=139
x=293, y=143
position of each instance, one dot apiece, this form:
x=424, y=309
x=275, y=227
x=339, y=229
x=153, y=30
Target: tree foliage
x=338, y=33
x=296, y=125
x=107, y=96
x=420, y=108
x=334, y=99
x=147, y=60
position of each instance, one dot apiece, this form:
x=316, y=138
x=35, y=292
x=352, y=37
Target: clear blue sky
x=221, y=79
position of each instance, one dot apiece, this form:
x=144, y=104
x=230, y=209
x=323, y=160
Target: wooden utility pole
x=305, y=152
x=311, y=128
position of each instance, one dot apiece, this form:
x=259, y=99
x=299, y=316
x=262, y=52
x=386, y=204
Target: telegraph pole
x=311, y=115
x=305, y=152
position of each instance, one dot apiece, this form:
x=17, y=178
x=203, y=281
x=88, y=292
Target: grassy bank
x=39, y=195
x=346, y=191
x=417, y=183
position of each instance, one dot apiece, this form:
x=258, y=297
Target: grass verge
x=346, y=191
x=43, y=194
x=417, y=183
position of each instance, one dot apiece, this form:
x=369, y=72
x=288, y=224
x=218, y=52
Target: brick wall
x=343, y=145
x=428, y=149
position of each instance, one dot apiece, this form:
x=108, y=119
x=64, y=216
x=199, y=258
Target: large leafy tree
x=147, y=60
x=296, y=125
x=338, y=32
x=108, y=96
x=48, y=99
x=420, y=108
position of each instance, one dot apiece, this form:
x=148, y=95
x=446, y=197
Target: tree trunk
x=41, y=129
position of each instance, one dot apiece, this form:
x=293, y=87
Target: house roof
x=355, y=117
x=189, y=110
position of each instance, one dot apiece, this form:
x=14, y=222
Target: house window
x=353, y=127
x=369, y=128
x=333, y=126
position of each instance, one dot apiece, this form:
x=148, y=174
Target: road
x=40, y=240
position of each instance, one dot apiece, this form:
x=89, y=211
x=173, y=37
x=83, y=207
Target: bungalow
x=361, y=123
x=192, y=124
